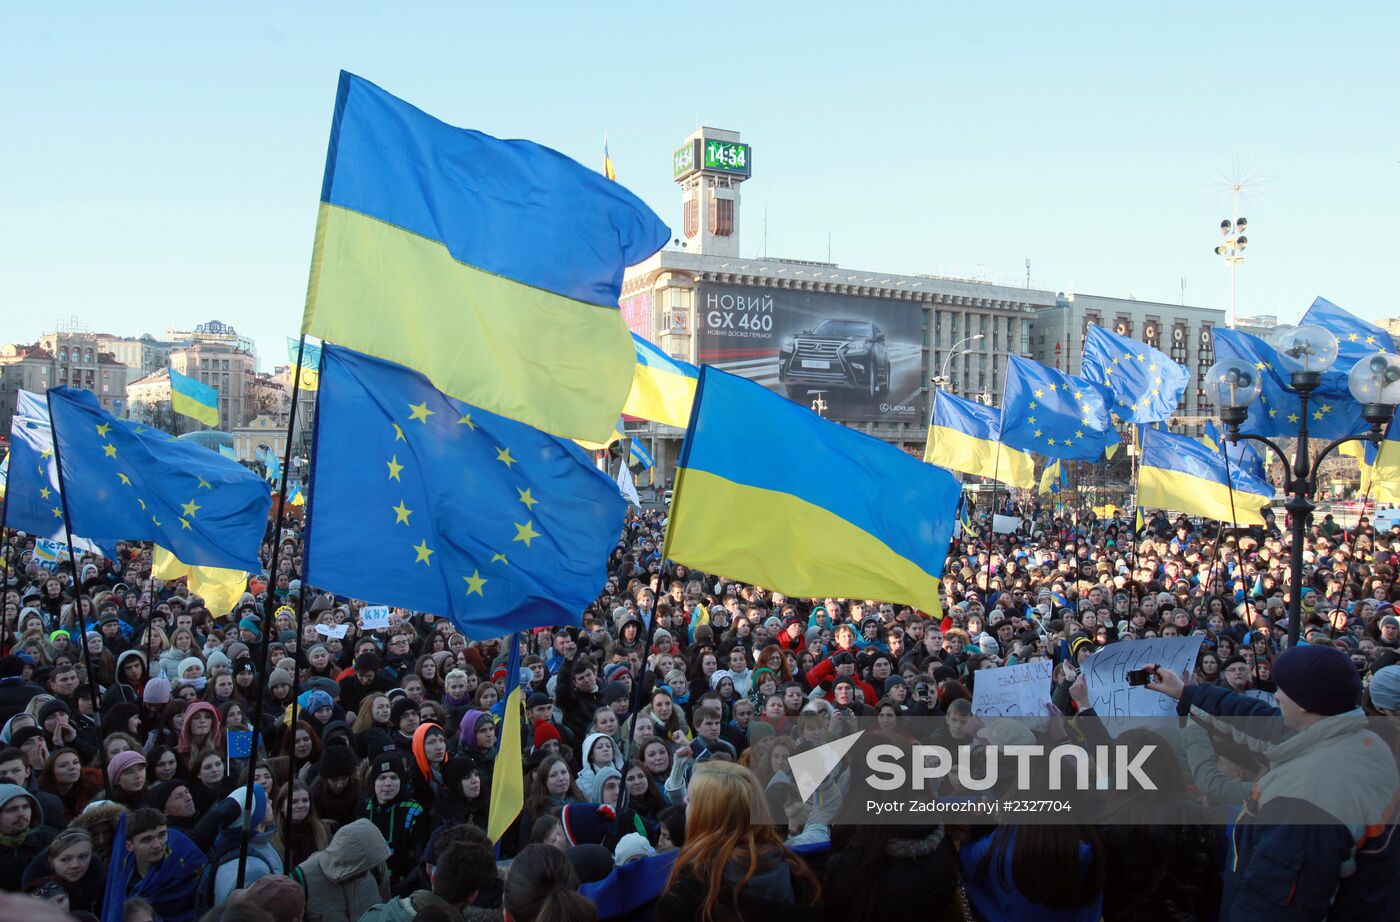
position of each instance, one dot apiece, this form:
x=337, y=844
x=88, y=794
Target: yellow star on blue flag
x=138, y=484
x=1279, y=409
x=441, y=505
x=1051, y=413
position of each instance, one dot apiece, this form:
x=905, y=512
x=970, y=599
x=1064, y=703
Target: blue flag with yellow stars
x=1054, y=414
x=126, y=481
x=424, y=502
x=1147, y=386
x=1356, y=339
x=33, y=503
x=1278, y=411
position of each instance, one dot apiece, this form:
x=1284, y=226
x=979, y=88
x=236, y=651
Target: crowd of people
x=160, y=762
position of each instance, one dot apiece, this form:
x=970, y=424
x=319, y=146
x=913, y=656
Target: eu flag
x=33, y=502
x=1241, y=455
x=1054, y=414
x=1356, y=339
x=465, y=514
x=125, y=481
x=1279, y=410
x=1147, y=386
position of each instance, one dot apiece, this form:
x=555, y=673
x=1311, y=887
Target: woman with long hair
x=65, y=777
x=542, y=886
x=371, y=732
x=551, y=788
x=734, y=865
x=308, y=833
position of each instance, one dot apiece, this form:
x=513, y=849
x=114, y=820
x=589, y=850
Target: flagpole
x=77, y=586
x=269, y=612
x=992, y=524
x=292, y=725
x=11, y=551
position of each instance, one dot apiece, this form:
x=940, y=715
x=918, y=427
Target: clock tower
x=709, y=167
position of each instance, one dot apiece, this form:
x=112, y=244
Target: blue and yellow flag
x=1380, y=465
x=494, y=267
x=966, y=436
x=193, y=398
x=663, y=388
x=1137, y=527
x=827, y=511
x=1054, y=414
x=1241, y=454
x=1178, y=472
x=638, y=456
x=472, y=516
x=1356, y=339
x=608, y=170
x=1052, y=479
x=219, y=588
x=310, y=362
x=1279, y=409
x=508, y=775
x=1146, y=385
x=125, y=481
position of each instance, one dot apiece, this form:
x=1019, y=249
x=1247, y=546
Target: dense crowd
x=657, y=738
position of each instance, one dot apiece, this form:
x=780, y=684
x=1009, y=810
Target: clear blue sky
x=162, y=162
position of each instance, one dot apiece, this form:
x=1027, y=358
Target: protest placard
x=374, y=617
x=1106, y=673
x=335, y=631
x=1012, y=691
x=1006, y=524
x=49, y=553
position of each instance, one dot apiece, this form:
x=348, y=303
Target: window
x=721, y=217
x=692, y=217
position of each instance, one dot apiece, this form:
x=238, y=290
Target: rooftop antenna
x=1183, y=291
x=1028, y=272
x=828, y=246
x=765, y=231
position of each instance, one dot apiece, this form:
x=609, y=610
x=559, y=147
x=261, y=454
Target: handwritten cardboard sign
x=1106, y=673
x=1012, y=691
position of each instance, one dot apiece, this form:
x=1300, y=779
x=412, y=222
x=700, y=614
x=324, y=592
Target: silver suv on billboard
x=848, y=354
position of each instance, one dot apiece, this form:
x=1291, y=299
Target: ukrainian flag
x=608, y=170
x=966, y=436
x=220, y=588
x=639, y=455
x=1052, y=478
x=828, y=511
x=1178, y=472
x=193, y=398
x=663, y=388
x=508, y=776
x=1380, y=465
x=493, y=267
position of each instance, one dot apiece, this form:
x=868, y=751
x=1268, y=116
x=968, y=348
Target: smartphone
x=1139, y=677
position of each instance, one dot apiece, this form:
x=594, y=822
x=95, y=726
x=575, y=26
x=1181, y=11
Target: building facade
x=61, y=359
x=1184, y=333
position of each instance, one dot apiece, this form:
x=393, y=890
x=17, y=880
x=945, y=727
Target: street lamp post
x=1232, y=247
x=942, y=380
x=1305, y=353
x=818, y=404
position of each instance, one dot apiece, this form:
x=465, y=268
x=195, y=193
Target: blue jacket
x=1315, y=841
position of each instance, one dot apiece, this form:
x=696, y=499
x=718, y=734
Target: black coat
x=683, y=900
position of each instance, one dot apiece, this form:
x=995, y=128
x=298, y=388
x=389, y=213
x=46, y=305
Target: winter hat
x=1007, y=732
x=544, y=732
x=471, y=722
x=240, y=796
x=161, y=793
x=458, y=769
x=367, y=662
x=988, y=645
x=1319, y=679
x=122, y=761
x=892, y=681
x=338, y=761
x=314, y=700
x=9, y=792
x=280, y=677
x=51, y=708
x=157, y=690
x=536, y=699
x=591, y=863
x=1385, y=688
x=188, y=663
x=583, y=824
x=23, y=735
x=1390, y=621
x=383, y=764
x=600, y=778
x=217, y=659
x=615, y=691
x=614, y=672
x=400, y=708
x=326, y=685
x=251, y=624
x=632, y=847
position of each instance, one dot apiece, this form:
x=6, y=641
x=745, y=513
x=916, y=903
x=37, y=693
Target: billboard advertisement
x=861, y=356
x=636, y=312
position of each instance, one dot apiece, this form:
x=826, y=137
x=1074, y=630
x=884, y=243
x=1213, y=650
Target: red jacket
x=824, y=674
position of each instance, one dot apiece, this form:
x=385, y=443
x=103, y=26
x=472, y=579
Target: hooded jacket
x=121, y=690
x=348, y=878
x=1315, y=841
